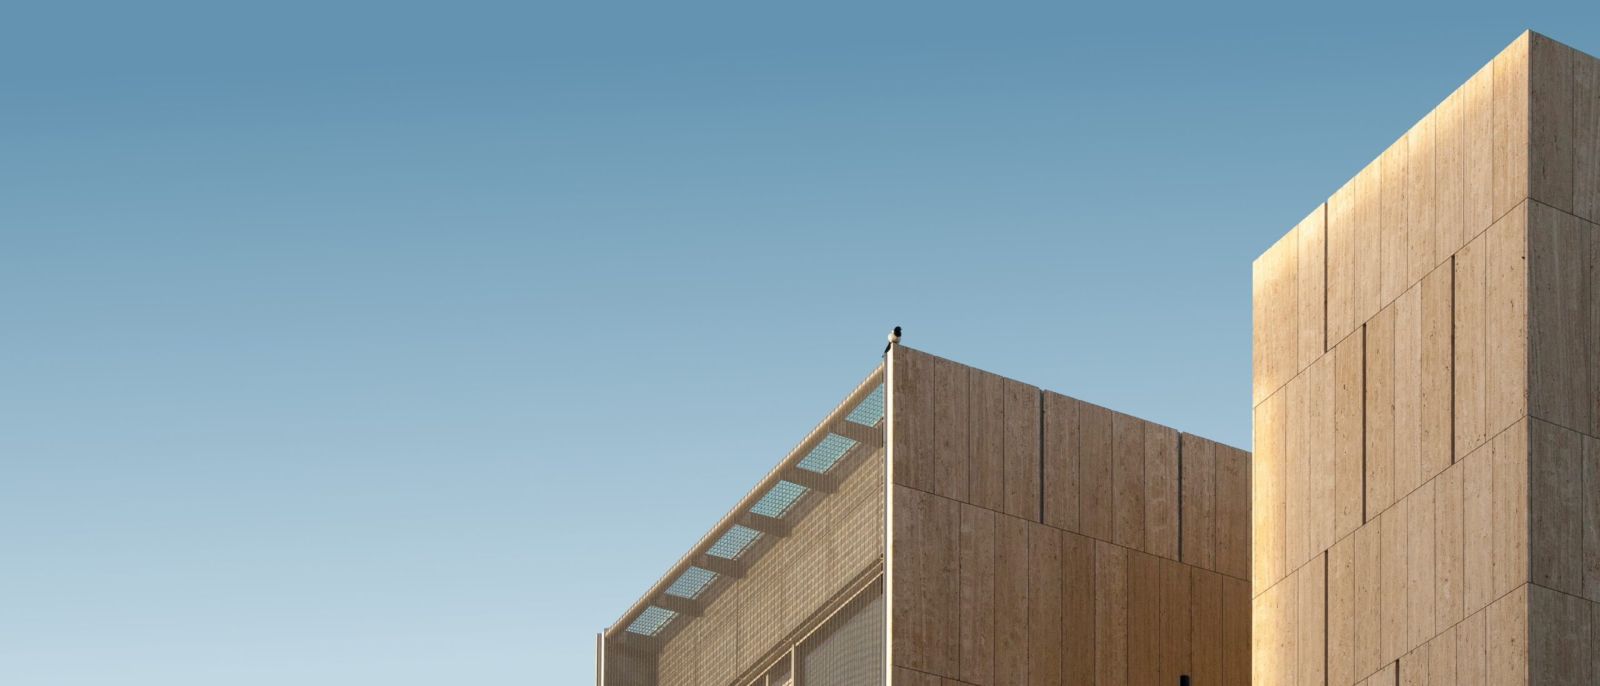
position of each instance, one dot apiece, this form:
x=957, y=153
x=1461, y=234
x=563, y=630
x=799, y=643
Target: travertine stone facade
x=978, y=531
x=1040, y=539
x=1426, y=500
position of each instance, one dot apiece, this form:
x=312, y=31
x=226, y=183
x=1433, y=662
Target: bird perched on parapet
x=894, y=339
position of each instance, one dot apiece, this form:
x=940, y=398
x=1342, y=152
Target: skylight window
x=652, y=621
x=734, y=542
x=692, y=583
x=829, y=451
x=778, y=500
x=870, y=411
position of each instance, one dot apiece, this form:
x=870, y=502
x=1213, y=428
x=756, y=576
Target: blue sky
x=407, y=344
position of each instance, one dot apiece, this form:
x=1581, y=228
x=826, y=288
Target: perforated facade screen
x=787, y=589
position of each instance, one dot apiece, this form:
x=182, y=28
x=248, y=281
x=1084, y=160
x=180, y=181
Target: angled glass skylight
x=870, y=411
x=734, y=542
x=827, y=452
x=778, y=500
x=692, y=583
x=652, y=621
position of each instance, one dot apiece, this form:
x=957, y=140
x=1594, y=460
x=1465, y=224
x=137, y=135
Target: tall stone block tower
x=1426, y=479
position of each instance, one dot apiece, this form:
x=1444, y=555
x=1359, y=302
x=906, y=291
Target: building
x=945, y=525
x=1426, y=503
x=1424, y=499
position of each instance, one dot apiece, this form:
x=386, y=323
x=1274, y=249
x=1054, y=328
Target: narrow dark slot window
x=1180, y=508
x=1041, y=456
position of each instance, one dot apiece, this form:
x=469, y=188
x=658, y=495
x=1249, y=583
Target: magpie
x=894, y=338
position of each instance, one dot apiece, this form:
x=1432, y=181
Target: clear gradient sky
x=401, y=344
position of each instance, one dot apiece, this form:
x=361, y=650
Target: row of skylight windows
x=776, y=503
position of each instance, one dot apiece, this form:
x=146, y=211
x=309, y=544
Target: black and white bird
x=894, y=339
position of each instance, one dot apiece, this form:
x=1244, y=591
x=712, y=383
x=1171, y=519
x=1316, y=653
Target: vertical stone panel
x=1369, y=235
x=1393, y=596
x=1435, y=441
x=1161, y=491
x=1591, y=518
x=1409, y=471
x=1297, y=472
x=1510, y=112
x=1127, y=475
x=1560, y=643
x=1380, y=405
x=1272, y=653
x=1369, y=598
x=1550, y=122
x=1469, y=346
x=1310, y=624
x=1206, y=632
x=1233, y=511
x=1586, y=137
x=1061, y=454
x=1021, y=450
x=1449, y=537
x=1392, y=233
x=1349, y=436
x=1177, y=616
x=1144, y=619
x=1236, y=622
x=1561, y=327
x=950, y=445
x=1311, y=287
x=1472, y=650
x=1111, y=614
x=1510, y=453
x=1078, y=608
x=1506, y=323
x=1321, y=448
x=1011, y=602
x=1268, y=485
x=986, y=417
x=1342, y=612
x=978, y=537
x=1096, y=454
x=1477, y=473
x=1451, y=228
x=1506, y=625
x=1442, y=658
x=1046, y=640
x=1478, y=152
x=1421, y=197
x=1199, y=498
x=1341, y=278
x=1555, y=507
x=1421, y=566
x=1276, y=345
